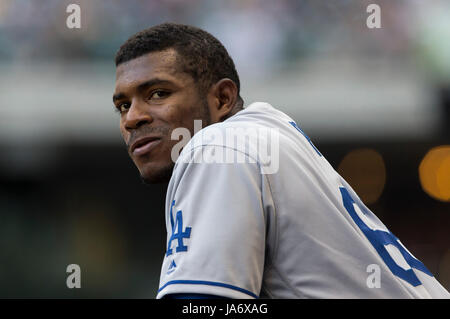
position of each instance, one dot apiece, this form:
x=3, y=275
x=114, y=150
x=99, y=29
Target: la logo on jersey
x=177, y=232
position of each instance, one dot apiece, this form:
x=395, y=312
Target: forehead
x=161, y=64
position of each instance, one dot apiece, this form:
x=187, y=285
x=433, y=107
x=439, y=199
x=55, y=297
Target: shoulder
x=251, y=134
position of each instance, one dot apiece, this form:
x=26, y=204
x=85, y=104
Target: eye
x=122, y=107
x=159, y=94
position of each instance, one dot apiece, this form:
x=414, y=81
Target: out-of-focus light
x=434, y=173
x=365, y=171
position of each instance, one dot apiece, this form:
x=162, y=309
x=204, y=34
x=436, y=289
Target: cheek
x=125, y=134
x=187, y=112
x=173, y=112
x=175, y=116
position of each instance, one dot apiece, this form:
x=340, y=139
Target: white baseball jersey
x=262, y=213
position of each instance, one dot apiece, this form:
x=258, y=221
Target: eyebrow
x=141, y=87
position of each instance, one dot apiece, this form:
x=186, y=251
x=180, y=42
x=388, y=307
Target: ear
x=222, y=98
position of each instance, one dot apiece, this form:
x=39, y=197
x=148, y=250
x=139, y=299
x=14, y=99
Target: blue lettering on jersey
x=379, y=239
x=306, y=136
x=177, y=232
x=172, y=267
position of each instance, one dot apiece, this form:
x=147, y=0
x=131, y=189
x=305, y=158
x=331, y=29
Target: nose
x=137, y=115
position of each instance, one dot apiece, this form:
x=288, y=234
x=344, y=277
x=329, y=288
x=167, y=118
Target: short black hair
x=201, y=55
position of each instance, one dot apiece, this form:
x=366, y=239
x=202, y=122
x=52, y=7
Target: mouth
x=144, y=145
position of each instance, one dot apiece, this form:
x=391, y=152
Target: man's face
x=154, y=97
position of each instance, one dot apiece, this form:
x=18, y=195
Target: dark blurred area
x=376, y=102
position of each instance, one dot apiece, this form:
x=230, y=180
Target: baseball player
x=253, y=209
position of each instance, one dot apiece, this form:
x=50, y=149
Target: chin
x=156, y=174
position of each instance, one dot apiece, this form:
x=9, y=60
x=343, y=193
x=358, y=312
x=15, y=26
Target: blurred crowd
x=258, y=33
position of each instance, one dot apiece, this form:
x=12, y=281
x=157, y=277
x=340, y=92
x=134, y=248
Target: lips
x=144, y=145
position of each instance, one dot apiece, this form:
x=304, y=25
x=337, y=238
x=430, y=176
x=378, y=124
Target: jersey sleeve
x=216, y=228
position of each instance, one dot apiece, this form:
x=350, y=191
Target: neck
x=236, y=108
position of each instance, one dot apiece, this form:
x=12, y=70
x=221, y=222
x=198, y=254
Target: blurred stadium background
x=376, y=102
